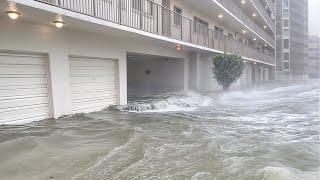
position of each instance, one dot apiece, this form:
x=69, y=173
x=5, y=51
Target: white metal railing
x=238, y=12
x=148, y=16
x=264, y=13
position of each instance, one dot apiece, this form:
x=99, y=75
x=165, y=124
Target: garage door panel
x=85, y=89
x=22, y=92
x=21, y=59
x=16, y=113
x=92, y=96
x=22, y=69
x=33, y=117
x=91, y=72
x=98, y=79
x=23, y=88
x=93, y=91
x=22, y=81
x=93, y=84
x=20, y=102
x=91, y=104
x=91, y=63
x=88, y=109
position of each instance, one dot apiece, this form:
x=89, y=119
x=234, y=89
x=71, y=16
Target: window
x=285, y=56
x=285, y=3
x=286, y=13
x=285, y=23
x=286, y=32
x=177, y=16
x=201, y=26
x=286, y=43
x=137, y=4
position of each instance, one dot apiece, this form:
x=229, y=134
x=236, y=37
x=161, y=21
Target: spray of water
x=167, y=102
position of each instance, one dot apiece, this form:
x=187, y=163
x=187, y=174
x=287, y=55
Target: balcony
x=271, y=5
x=231, y=6
x=264, y=14
x=150, y=17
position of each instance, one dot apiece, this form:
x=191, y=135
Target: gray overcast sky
x=314, y=17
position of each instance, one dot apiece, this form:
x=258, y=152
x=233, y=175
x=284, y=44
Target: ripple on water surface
x=269, y=133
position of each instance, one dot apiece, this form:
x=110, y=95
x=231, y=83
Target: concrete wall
x=59, y=44
x=147, y=75
x=202, y=78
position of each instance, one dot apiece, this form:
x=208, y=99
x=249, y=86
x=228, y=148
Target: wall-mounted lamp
x=178, y=47
x=13, y=14
x=220, y=16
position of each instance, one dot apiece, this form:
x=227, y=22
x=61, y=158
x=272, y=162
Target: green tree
x=227, y=69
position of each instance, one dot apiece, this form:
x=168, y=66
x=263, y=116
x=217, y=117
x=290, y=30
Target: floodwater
x=270, y=133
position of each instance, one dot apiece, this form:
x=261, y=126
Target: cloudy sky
x=314, y=17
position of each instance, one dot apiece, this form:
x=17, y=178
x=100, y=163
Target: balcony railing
x=238, y=12
x=148, y=16
x=271, y=5
x=264, y=13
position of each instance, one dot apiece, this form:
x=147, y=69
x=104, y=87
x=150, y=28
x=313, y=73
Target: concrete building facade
x=314, y=57
x=292, y=39
x=108, y=50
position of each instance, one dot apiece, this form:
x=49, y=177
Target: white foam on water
x=169, y=102
x=285, y=173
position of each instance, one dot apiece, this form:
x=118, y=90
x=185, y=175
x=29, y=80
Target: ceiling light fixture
x=254, y=15
x=265, y=27
x=243, y=2
x=243, y=31
x=13, y=14
x=220, y=16
x=58, y=24
x=254, y=39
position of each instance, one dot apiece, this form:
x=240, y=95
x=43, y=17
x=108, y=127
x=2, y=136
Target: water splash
x=167, y=102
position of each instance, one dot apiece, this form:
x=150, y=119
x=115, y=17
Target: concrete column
x=193, y=71
x=60, y=83
x=266, y=74
x=122, y=79
x=256, y=74
x=249, y=75
x=198, y=71
x=261, y=74
x=186, y=72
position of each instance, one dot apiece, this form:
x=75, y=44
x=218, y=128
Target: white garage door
x=23, y=88
x=93, y=84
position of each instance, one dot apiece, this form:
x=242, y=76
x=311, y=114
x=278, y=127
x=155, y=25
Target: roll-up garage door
x=93, y=84
x=24, y=91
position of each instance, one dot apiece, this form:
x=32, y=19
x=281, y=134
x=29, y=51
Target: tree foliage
x=227, y=69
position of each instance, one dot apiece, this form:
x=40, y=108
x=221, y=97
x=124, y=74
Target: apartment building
x=314, y=57
x=292, y=39
x=61, y=57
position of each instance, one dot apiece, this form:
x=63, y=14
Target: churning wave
x=167, y=102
